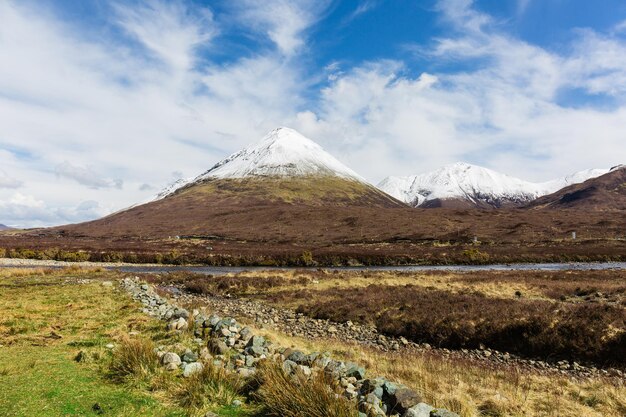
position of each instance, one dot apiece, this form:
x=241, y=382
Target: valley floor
x=48, y=317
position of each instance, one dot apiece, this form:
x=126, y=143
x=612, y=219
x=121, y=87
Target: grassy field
x=56, y=358
x=47, y=318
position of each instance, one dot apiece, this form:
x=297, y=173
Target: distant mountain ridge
x=465, y=185
x=607, y=191
x=4, y=227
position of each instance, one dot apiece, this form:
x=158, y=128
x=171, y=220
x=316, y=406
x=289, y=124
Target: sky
x=104, y=103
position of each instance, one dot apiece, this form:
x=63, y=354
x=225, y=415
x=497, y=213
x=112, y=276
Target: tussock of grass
x=297, y=396
x=133, y=360
x=209, y=387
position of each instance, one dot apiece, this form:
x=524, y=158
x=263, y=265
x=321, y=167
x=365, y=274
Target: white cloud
x=283, y=21
x=86, y=176
x=503, y=112
x=140, y=113
x=6, y=181
x=169, y=29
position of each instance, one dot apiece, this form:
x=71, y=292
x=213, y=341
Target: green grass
x=44, y=323
x=290, y=190
x=48, y=382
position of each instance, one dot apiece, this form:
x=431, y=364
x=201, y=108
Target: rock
x=189, y=356
x=109, y=346
x=419, y=410
x=256, y=351
x=297, y=357
x=178, y=324
x=107, y=284
x=217, y=347
x=356, y=371
x=305, y=370
x=236, y=403
x=257, y=341
x=180, y=313
x=210, y=414
x=192, y=368
x=245, y=334
x=171, y=358
x=403, y=399
x=289, y=366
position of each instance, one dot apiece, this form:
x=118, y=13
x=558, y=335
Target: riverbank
x=216, y=270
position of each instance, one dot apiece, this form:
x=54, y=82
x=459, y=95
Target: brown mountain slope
x=607, y=192
x=217, y=205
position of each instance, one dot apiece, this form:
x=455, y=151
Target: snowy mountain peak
x=283, y=152
x=475, y=185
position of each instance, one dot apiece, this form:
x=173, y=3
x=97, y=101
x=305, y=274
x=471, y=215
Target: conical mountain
x=282, y=176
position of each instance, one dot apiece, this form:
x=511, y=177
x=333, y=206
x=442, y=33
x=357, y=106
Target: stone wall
x=226, y=343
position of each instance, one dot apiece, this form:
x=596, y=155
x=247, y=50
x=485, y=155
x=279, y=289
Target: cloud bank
x=96, y=120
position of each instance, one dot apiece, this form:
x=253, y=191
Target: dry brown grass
x=298, y=396
x=473, y=389
x=211, y=386
x=133, y=360
x=508, y=311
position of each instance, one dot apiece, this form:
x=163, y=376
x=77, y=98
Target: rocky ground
x=236, y=348
x=296, y=324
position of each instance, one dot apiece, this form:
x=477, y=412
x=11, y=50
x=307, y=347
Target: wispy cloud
x=86, y=176
x=522, y=5
x=283, y=21
x=169, y=29
x=362, y=8
x=6, y=181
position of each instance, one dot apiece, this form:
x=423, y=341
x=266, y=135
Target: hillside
x=280, y=177
x=607, y=192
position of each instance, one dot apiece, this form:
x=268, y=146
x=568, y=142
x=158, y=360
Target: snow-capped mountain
x=283, y=152
x=474, y=185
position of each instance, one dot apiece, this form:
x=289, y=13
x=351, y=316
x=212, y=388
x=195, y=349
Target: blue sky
x=103, y=103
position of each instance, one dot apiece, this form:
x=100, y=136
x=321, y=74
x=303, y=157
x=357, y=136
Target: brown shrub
x=584, y=332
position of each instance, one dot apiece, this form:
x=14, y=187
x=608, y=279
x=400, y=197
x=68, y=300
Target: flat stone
x=217, y=347
x=419, y=410
x=192, y=368
x=257, y=341
x=403, y=399
x=189, y=357
x=171, y=357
